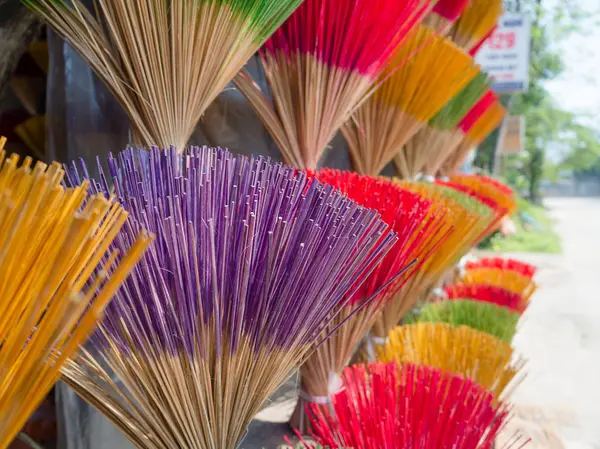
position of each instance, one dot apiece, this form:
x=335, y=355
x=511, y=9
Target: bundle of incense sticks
x=251, y=263
x=322, y=64
x=426, y=72
x=444, y=13
x=165, y=61
x=421, y=231
x=476, y=23
x=486, y=292
x=506, y=263
x=394, y=406
x=461, y=350
x=511, y=280
x=489, y=188
x=482, y=119
x=427, y=150
x=497, y=205
x=57, y=275
x=493, y=318
x=468, y=218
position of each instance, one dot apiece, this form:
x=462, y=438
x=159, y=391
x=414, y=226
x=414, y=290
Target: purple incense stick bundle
x=250, y=262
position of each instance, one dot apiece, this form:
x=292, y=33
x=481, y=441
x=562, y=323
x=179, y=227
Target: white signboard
x=505, y=55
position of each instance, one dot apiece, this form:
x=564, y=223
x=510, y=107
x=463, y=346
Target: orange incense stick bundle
x=321, y=64
x=476, y=23
x=425, y=74
x=57, y=275
x=461, y=350
x=425, y=151
x=506, y=263
x=469, y=218
x=420, y=230
x=444, y=13
x=482, y=119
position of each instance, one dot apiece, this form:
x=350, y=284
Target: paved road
x=561, y=332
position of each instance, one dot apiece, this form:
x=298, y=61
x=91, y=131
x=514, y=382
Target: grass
x=535, y=233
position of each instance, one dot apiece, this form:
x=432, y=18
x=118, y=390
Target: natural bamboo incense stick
x=251, y=261
x=420, y=229
x=431, y=71
x=321, y=64
x=482, y=119
x=57, y=275
x=469, y=218
x=394, y=406
x=476, y=23
x=427, y=150
x=486, y=360
x=444, y=13
x=165, y=61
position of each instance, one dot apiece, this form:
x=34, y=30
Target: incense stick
x=476, y=23
x=419, y=227
x=393, y=406
x=165, y=61
x=57, y=275
x=250, y=262
x=461, y=350
x=321, y=65
x=426, y=73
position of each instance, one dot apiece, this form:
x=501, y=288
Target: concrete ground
x=560, y=335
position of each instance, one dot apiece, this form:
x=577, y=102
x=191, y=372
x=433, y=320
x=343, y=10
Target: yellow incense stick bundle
x=476, y=355
x=507, y=279
x=52, y=242
x=427, y=71
x=476, y=22
x=468, y=217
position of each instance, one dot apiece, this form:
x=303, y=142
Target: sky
x=578, y=88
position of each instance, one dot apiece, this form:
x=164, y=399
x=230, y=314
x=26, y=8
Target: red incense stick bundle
x=486, y=293
x=505, y=263
x=484, y=117
x=420, y=228
x=394, y=406
x=321, y=64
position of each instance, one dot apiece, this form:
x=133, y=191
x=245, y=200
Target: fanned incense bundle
x=476, y=23
x=431, y=71
x=482, y=119
x=420, y=230
x=165, y=61
x=444, y=13
x=489, y=188
x=428, y=149
x=505, y=263
x=510, y=280
x=481, y=290
x=321, y=64
x=251, y=262
x=468, y=218
x=493, y=319
x=56, y=278
x=475, y=49
x=393, y=406
x=460, y=350
x=499, y=211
